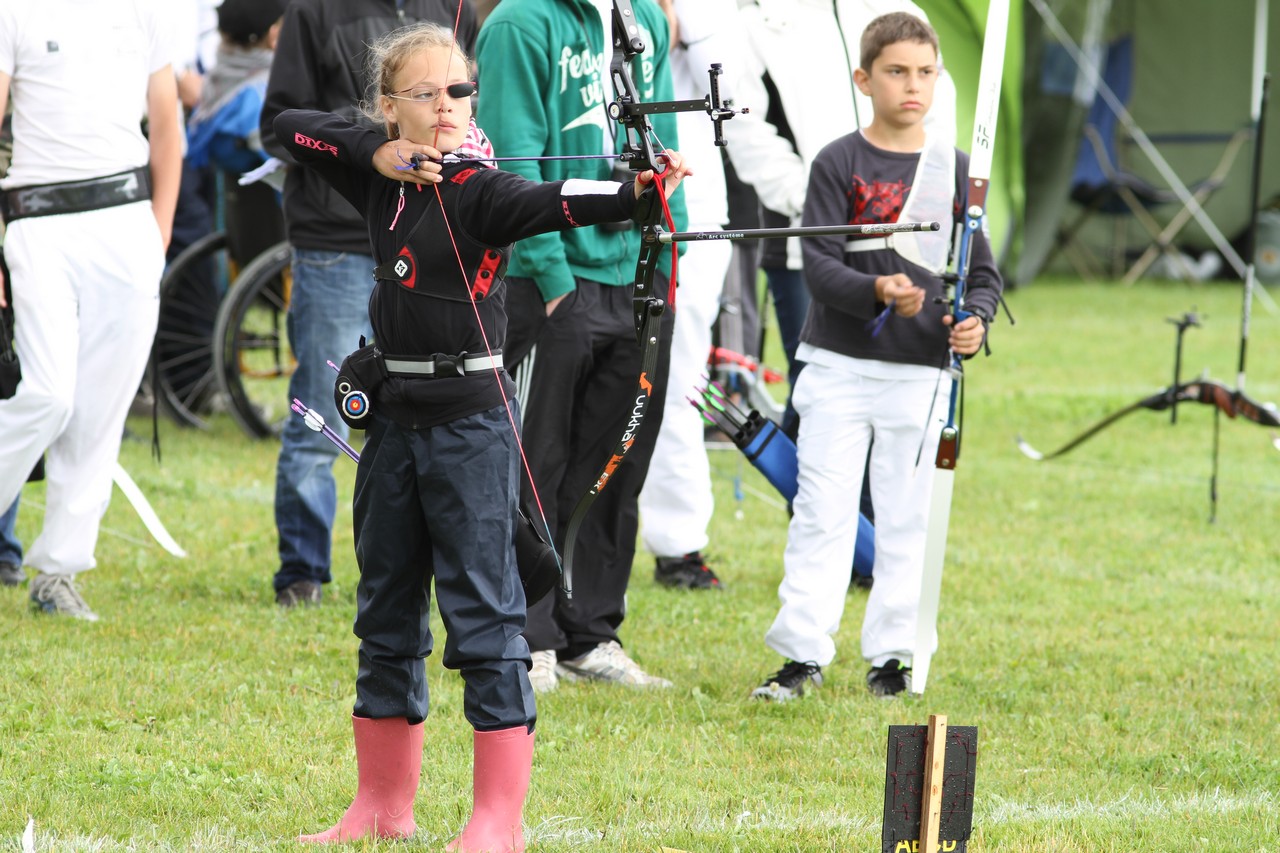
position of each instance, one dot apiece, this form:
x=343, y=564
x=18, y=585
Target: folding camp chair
x=1200, y=192
x=1101, y=184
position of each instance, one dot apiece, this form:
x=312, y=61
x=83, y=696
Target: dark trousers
x=441, y=503
x=577, y=379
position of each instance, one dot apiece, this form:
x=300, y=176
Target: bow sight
x=627, y=109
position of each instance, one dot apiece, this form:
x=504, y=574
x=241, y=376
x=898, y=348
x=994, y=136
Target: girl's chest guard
x=427, y=264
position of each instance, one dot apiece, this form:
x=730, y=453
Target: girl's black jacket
x=432, y=261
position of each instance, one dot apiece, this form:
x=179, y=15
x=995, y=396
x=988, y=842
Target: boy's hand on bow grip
x=898, y=291
x=966, y=336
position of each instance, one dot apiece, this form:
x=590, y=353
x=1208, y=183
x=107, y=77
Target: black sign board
x=904, y=789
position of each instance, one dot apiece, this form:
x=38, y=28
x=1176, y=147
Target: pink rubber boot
x=388, y=763
x=501, y=765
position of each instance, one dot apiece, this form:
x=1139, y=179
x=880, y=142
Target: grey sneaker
x=11, y=574
x=789, y=682
x=306, y=593
x=608, y=662
x=56, y=594
x=542, y=675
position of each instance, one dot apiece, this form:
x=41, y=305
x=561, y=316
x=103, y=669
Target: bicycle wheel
x=252, y=356
x=182, y=358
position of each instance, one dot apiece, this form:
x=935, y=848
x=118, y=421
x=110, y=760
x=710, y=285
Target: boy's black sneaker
x=789, y=682
x=686, y=572
x=889, y=680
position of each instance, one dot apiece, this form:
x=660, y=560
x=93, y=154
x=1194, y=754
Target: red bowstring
x=506, y=403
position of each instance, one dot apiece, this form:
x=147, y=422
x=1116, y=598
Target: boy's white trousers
x=676, y=503
x=840, y=410
x=86, y=301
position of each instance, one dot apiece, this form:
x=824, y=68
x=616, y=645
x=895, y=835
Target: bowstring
x=484, y=336
x=659, y=188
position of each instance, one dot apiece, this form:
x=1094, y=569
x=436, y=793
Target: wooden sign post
x=935, y=752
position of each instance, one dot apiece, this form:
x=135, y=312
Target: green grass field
x=1116, y=651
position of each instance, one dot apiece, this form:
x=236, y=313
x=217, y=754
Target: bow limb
x=1251, y=410
x=648, y=308
x=1156, y=402
x=651, y=330
x=1231, y=402
x=948, y=455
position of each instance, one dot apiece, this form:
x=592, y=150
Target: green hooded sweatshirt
x=544, y=85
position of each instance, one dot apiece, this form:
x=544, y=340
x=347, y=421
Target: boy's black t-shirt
x=852, y=181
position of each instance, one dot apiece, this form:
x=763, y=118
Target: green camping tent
x=1190, y=91
x=1191, y=83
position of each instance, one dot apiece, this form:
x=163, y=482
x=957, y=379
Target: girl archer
x=437, y=485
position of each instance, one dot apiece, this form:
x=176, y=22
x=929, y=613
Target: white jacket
x=809, y=49
x=704, y=39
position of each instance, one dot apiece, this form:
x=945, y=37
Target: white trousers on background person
x=841, y=409
x=86, y=301
x=676, y=502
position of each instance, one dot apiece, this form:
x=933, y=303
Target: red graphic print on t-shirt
x=876, y=201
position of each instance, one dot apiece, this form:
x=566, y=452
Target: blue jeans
x=328, y=312
x=791, y=305
x=10, y=547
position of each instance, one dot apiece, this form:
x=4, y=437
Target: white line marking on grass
x=571, y=830
x=204, y=838
x=1109, y=471
x=559, y=828
x=1129, y=806
x=772, y=500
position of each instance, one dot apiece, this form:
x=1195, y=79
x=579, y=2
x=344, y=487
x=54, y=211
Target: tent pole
x=1259, y=58
x=1258, y=109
